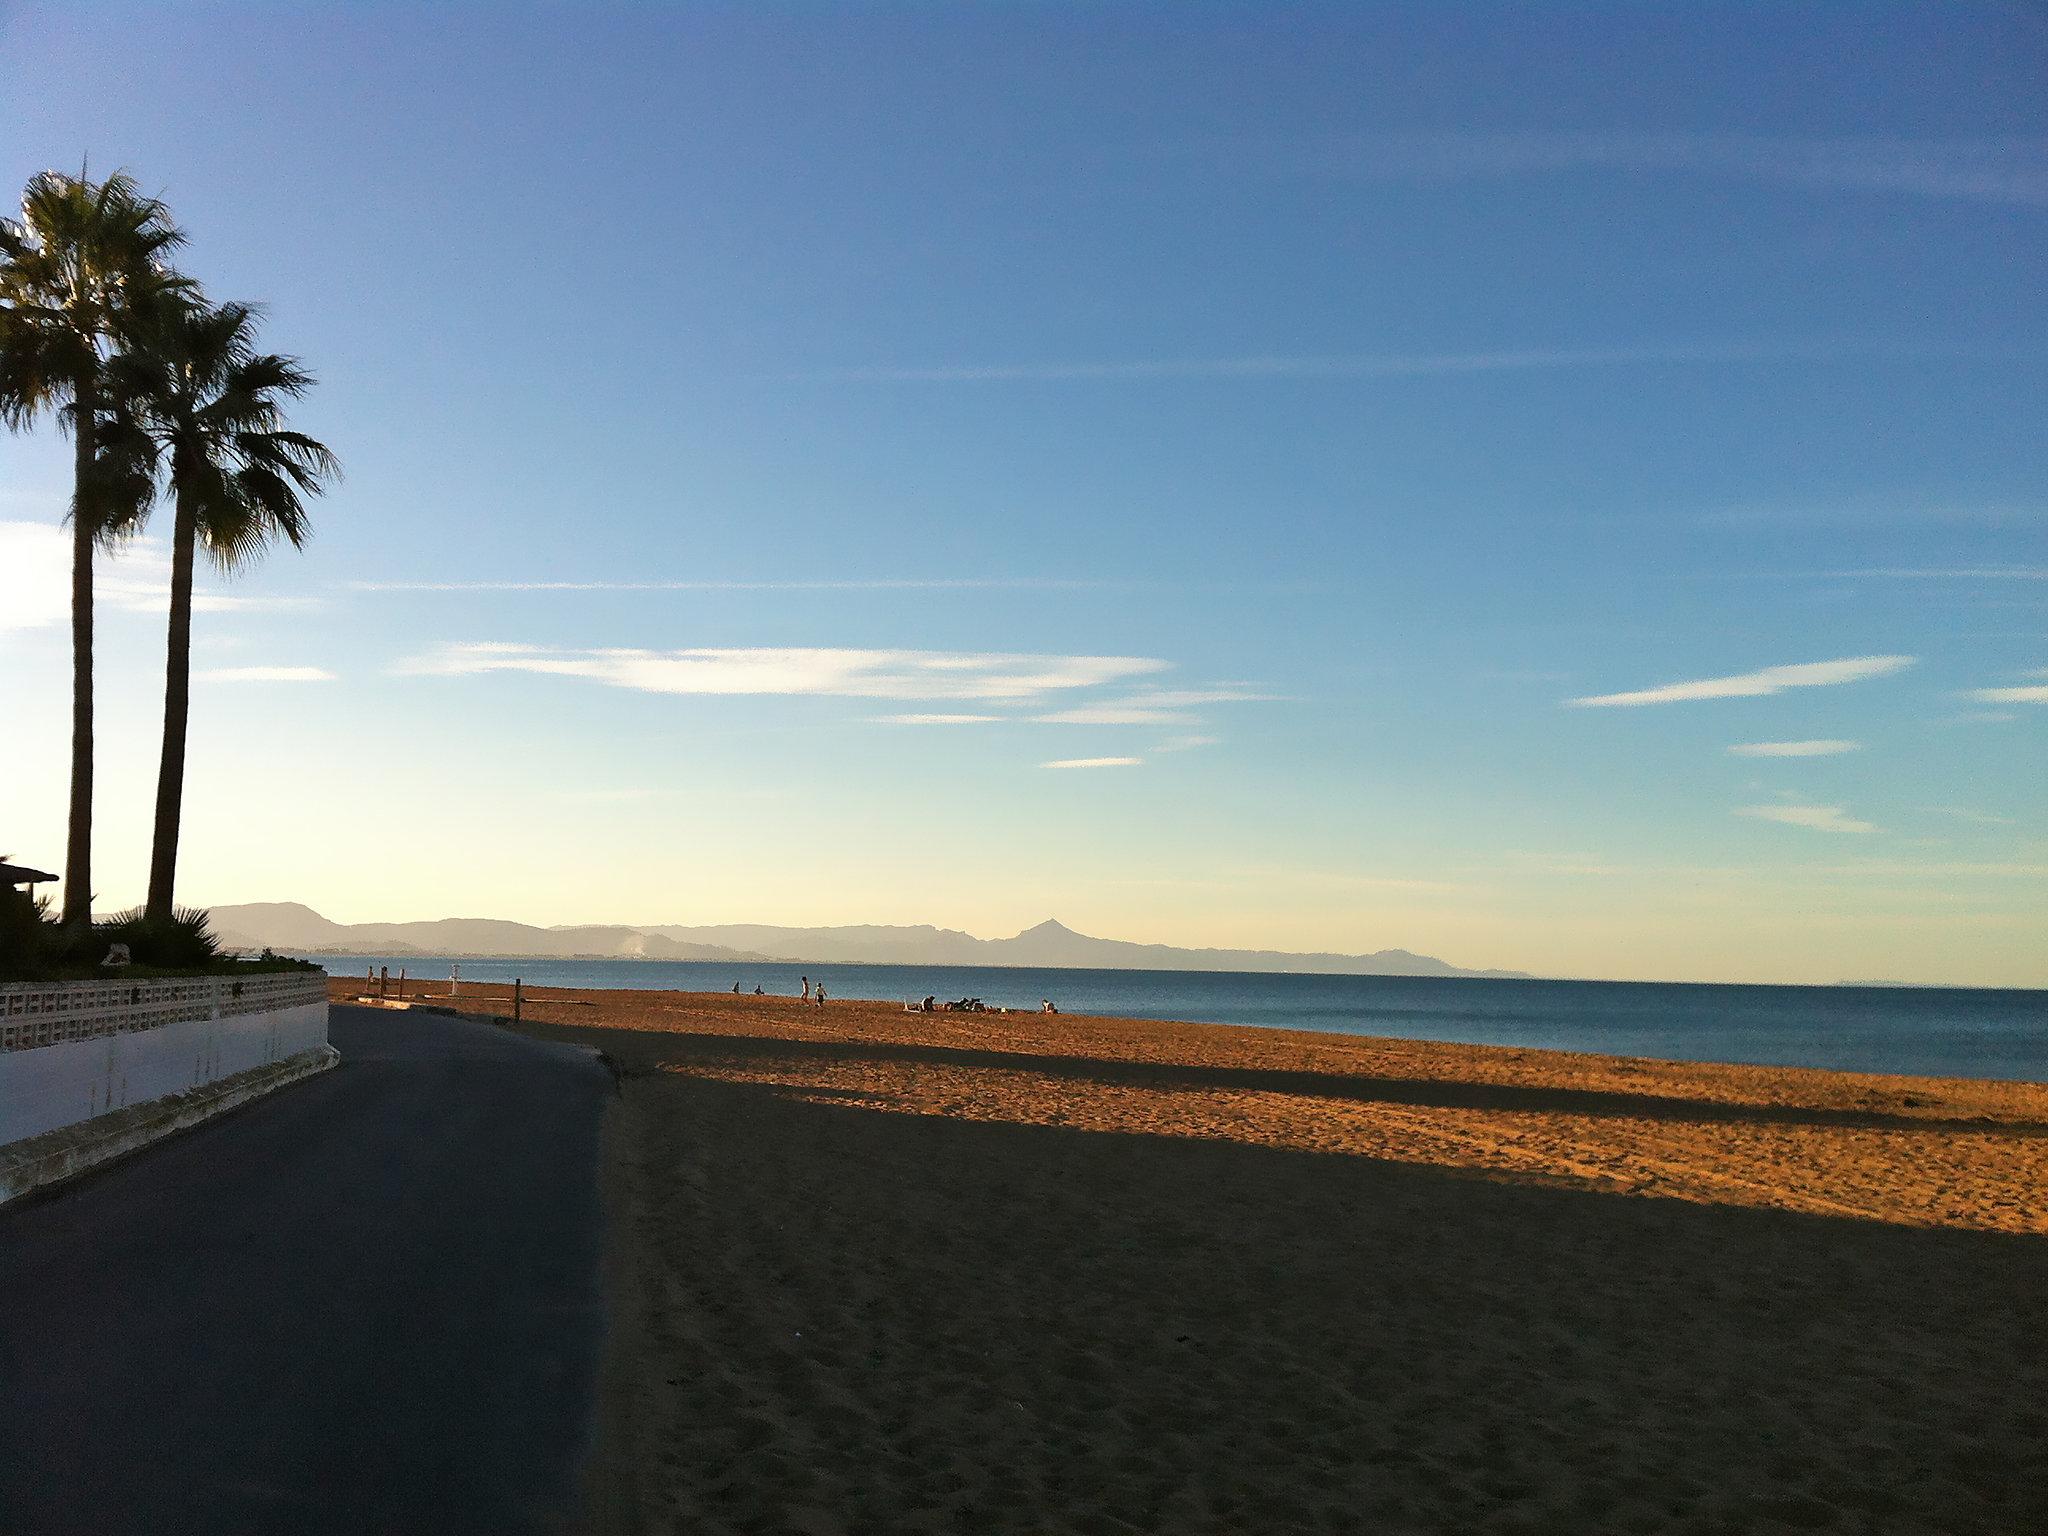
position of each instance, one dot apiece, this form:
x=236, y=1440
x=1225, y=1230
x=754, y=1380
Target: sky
x=1559, y=488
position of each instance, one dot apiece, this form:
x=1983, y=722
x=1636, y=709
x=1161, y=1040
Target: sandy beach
x=880, y=1271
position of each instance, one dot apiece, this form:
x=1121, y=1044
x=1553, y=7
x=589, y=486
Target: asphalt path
x=370, y=1302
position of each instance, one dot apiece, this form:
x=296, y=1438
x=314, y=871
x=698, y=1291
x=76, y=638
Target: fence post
x=518, y=1000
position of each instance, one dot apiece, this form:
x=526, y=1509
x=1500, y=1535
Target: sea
x=1922, y=1031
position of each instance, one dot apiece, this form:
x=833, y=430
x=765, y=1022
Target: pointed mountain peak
x=1051, y=928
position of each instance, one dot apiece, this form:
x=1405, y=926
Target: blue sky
x=1317, y=401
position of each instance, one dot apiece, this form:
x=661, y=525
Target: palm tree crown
x=75, y=269
x=192, y=398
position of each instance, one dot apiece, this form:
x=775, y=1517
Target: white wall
x=49, y=1087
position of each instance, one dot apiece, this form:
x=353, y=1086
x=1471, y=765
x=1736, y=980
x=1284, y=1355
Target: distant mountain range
x=291, y=927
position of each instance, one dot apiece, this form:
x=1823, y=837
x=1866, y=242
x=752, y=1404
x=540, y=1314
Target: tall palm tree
x=73, y=269
x=193, y=400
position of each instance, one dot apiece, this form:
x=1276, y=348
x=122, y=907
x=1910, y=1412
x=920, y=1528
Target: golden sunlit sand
x=883, y=1271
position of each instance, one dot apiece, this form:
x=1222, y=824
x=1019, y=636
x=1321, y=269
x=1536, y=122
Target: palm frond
x=215, y=407
x=80, y=261
x=120, y=487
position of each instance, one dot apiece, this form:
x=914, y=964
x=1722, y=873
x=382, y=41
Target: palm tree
x=72, y=271
x=192, y=399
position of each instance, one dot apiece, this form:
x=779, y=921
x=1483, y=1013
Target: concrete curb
x=43, y=1160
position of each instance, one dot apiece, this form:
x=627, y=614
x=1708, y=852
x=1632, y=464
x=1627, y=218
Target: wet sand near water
x=884, y=1271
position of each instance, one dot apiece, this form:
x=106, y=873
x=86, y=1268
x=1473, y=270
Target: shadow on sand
x=755, y=1053
x=851, y=1320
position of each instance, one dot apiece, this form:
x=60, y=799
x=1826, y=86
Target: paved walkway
x=367, y=1303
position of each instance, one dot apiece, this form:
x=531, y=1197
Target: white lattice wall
x=34, y=1014
x=73, y=1051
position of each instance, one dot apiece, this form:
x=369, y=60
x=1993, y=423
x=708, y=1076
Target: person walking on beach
x=807, y=989
x=821, y=994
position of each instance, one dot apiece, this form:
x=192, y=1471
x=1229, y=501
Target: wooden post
x=517, y=1000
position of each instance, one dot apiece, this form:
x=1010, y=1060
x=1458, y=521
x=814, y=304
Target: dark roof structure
x=21, y=874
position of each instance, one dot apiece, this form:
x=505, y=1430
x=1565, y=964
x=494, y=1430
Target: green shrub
x=35, y=948
x=180, y=942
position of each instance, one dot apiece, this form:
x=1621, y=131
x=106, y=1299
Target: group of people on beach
x=974, y=1005
x=814, y=992
x=811, y=994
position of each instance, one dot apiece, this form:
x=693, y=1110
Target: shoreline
x=432, y=992
x=439, y=957
x=1981, y=1034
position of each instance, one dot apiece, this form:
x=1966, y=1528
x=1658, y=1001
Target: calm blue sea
x=1940, y=1032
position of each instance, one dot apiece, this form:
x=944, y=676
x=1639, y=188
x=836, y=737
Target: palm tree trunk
x=78, y=849
x=170, y=774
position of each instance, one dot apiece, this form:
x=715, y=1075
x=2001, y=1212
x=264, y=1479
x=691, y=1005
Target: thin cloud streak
x=939, y=719
x=134, y=579
x=1964, y=813
x=880, y=584
x=1946, y=573
x=264, y=675
x=1821, y=748
x=2008, y=170
x=1114, y=714
x=1749, y=685
x=1818, y=818
x=1094, y=762
x=1153, y=706
x=1350, y=365
x=845, y=673
x=2032, y=693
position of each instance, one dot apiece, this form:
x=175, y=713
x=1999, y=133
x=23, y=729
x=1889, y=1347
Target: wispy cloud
x=1946, y=573
x=939, y=719
x=1113, y=714
x=1094, y=762
x=1188, y=698
x=1350, y=365
x=872, y=584
x=1826, y=747
x=134, y=579
x=849, y=673
x=1748, y=685
x=2026, y=693
x=2032, y=693
x=1820, y=818
x=1153, y=706
x=264, y=675
x=1941, y=870
x=2007, y=170
x=1865, y=512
